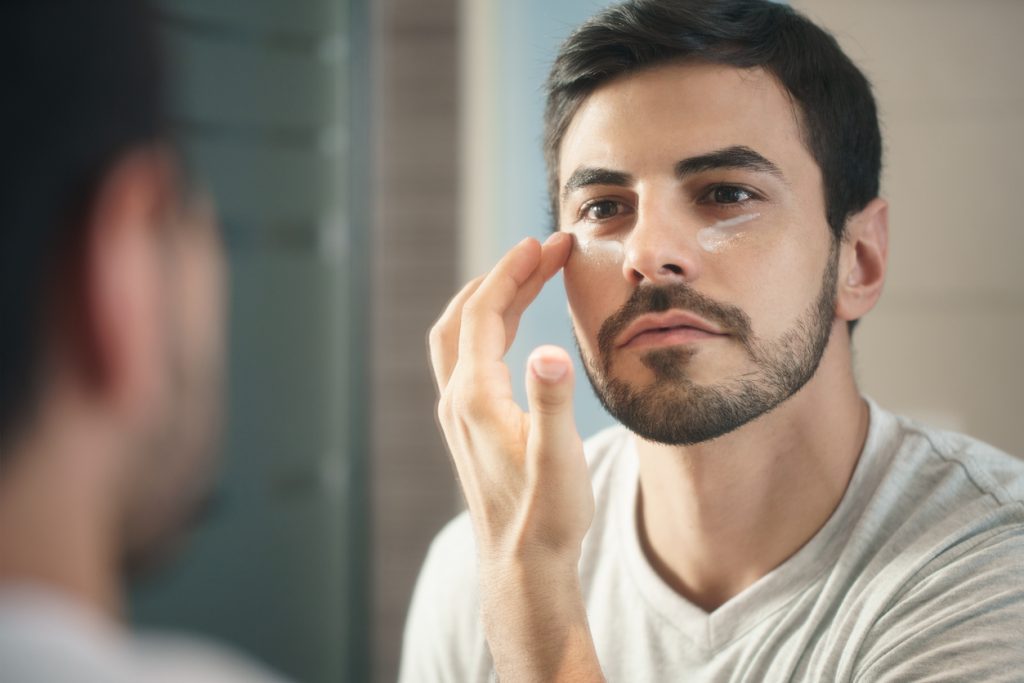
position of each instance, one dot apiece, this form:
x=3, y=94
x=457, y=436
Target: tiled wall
x=265, y=108
x=415, y=268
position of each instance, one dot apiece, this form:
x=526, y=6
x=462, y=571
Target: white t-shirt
x=46, y=638
x=918, y=575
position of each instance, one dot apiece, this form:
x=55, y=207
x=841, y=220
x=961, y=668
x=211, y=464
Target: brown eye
x=601, y=210
x=730, y=194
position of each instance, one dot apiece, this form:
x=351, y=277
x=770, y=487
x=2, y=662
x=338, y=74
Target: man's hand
x=523, y=475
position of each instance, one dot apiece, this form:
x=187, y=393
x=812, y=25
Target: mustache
x=658, y=299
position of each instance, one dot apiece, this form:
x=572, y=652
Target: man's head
x=718, y=164
x=111, y=278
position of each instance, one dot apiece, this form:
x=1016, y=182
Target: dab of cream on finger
x=717, y=237
x=600, y=251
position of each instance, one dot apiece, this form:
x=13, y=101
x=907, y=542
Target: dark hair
x=839, y=120
x=83, y=84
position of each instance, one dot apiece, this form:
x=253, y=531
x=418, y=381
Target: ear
x=863, y=259
x=120, y=277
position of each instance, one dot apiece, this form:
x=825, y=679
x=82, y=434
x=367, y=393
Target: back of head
x=82, y=85
x=837, y=109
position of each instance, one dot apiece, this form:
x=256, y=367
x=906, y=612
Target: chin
x=159, y=545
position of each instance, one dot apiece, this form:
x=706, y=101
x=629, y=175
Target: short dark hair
x=839, y=118
x=83, y=84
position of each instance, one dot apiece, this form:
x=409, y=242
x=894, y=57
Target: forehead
x=651, y=119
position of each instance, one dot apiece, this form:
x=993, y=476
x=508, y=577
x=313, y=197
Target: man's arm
x=523, y=475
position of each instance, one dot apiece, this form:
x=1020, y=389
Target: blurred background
x=369, y=156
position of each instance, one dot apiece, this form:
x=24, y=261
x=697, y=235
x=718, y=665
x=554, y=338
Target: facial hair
x=675, y=410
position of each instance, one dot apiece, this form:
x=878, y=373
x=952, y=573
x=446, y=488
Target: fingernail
x=549, y=369
x=553, y=237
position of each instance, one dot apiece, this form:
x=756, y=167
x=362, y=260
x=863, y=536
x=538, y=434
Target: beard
x=677, y=411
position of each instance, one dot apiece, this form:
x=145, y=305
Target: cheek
x=776, y=286
x=204, y=295
x=593, y=277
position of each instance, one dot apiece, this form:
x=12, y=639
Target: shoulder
x=45, y=637
x=443, y=639
x=942, y=499
x=944, y=535
x=959, y=618
x=167, y=658
x=987, y=469
x=939, y=487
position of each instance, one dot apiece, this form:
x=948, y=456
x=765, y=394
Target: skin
x=715, y=516
x=117, y=455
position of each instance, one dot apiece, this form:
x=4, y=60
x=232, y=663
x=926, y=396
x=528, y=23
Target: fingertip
x=557, y=249
x=550, y=363
x=528, y=241
x=560, y=240
x=556, y=238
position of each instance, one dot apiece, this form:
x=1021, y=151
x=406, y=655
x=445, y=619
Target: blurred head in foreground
x=111, y=302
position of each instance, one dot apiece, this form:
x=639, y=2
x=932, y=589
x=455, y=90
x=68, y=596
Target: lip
x=668, y=328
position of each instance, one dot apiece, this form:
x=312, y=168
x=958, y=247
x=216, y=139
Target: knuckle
x=434, y=340
x=473, y=307
x=438, y=332
x=475, y=406
x=444, y=407
x=462, y=401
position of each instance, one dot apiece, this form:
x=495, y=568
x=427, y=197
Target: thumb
x=549, y=387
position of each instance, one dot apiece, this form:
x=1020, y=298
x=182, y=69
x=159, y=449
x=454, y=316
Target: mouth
x=671, y=328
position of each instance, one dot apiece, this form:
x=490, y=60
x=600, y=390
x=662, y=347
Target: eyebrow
x=585, y=176
x=735, y=157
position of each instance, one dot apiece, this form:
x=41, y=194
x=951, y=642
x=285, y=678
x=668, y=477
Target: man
x=111, y=302
x=714, y=175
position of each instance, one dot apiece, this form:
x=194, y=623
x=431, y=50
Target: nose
x=661, y=247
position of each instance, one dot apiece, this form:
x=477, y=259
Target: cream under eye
x=717, y=237
x=599, y=251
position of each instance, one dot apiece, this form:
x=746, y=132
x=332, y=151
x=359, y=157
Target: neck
x=57, y=522
x=717, y=516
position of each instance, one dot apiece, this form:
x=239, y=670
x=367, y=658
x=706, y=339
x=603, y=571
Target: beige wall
x=945, y=343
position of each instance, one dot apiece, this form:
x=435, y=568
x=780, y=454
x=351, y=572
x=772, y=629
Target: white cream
x=602, y=251
x=716, y=237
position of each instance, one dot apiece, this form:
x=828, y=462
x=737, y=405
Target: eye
x=729, y=194
x=601, y=210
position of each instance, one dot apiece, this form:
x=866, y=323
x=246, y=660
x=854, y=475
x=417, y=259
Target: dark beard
x=676, y=411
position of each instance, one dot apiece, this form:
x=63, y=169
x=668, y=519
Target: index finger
x=483, y=337
x=444, y=336
x=491, y=316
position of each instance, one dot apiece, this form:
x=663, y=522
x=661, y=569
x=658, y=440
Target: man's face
x=702, y=284
x=174, y=471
